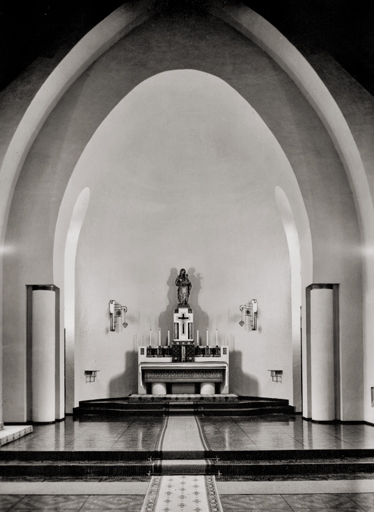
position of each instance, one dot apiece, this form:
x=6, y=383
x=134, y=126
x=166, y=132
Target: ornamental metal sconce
x=276, y=375
x=116, y=311
x=90, y=375
x=249, y=314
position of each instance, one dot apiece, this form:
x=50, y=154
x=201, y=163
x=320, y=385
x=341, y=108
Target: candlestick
x=207, y=338
x=216, y=336
x=150, y=337
x=197, y=336
x=159, y=337
x=168, y=337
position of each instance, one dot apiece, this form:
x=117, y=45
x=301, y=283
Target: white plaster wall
x=182, y=174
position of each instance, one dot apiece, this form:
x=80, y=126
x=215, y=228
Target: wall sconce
x=90, y=375
x=249, y=314
x=116, y=311
x=276, y=375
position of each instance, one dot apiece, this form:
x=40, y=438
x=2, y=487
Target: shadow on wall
x=126, y=382
x=201, y=320
x=240, y=382
x=165, y=320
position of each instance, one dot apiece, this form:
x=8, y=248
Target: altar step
x=196, y=398
x=259, y=465
x=216, y=405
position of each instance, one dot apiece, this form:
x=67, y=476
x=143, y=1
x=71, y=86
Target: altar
x=205, y=375
x=183, y=365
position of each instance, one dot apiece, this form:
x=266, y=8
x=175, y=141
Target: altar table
x=206, y=371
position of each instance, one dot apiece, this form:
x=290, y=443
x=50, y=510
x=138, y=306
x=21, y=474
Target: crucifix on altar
x=183, y=324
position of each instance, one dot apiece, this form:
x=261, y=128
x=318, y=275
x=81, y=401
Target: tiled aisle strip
x=187, y=493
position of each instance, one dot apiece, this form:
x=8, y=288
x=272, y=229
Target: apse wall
x=182, y=174
x=170, y=42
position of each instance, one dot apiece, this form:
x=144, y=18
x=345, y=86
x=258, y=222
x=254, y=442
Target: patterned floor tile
x=127, y=503
x=8, y=501
x=364, y=500
x=321, y=502
x=242, y=503
x=50, y=503
x=187, y=493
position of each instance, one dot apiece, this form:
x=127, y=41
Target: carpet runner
x=187, y=493
x=182, y=433
x=182, y=492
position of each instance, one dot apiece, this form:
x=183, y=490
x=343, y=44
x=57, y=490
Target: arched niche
x=72, y=238
x=294, y=249
x=182, y=173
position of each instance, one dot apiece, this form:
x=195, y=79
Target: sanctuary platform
x=271, y=447
x=184, y=403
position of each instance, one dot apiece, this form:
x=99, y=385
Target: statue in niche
x=184, y=287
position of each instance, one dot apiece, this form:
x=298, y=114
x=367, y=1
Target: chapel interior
x=187, y=255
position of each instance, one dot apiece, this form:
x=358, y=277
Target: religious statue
x=184, y=287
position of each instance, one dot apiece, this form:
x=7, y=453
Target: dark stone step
x=98, y=413
x=165, y=467
x=333, y=456
x=77, y=470
x=248, y=406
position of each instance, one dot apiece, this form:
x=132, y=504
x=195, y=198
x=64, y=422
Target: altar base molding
x=206, y=375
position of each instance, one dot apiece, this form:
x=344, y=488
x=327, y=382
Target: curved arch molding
x=250, y=24
x=90, y=47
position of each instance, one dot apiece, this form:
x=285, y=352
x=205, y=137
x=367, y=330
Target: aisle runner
x=185, y=493
x=182, y=433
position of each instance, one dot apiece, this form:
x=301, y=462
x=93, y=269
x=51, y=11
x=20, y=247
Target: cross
x=183, y=317
x=183, y=323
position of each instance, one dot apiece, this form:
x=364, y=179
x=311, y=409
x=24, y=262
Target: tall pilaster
x=42, y=352
x=323, y=362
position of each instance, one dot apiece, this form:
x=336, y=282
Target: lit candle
x=150, y=336
x=207, y=338
x=197, y=336
x=159, y=337
x=216, y=336
x=168, y=337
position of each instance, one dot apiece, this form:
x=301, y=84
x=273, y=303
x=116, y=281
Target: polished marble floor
x=247, y=433
x=298, y=502
x=221, y=433
x=134, y=433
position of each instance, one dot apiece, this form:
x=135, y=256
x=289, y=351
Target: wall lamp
x=276, y=375
x=249, y=314
x=90, y=375
x=116, y=311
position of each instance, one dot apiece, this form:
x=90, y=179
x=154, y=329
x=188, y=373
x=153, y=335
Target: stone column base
x=207, y=388
x=158, y=388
